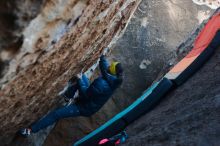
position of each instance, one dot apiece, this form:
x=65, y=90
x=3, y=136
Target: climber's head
x=116, y=69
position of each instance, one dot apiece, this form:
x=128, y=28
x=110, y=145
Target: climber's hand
x=79, y=75
x=66, y=99
x=105, y=51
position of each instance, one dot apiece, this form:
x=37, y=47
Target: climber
x=115, y=140
x=90, y=99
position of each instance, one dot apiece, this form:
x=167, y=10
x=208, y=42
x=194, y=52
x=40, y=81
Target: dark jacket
x=99, y=91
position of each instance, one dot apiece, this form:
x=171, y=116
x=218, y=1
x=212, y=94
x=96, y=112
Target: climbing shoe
x=25, y=132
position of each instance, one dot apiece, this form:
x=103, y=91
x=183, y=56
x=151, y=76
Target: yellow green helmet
x=115, y=68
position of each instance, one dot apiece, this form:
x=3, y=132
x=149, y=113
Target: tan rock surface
x=65, y=37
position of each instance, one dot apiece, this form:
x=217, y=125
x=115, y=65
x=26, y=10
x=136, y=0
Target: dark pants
x=60, y=113
x=54, y=116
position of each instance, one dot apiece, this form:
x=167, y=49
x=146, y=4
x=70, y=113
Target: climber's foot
x=25, y=132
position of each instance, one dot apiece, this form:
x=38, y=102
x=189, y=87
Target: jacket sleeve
x=103, y=65
x=82, y=91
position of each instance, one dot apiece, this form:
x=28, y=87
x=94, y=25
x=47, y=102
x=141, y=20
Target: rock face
x=68, y=35
x=214, y=4
x=188, y=115
x=149, y=43
x=14, y=17
x=64, y=37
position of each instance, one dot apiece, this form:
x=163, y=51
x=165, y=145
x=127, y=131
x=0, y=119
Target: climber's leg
x=54, y=116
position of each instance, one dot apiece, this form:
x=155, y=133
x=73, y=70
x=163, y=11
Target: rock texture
x=189, y=115
x=150, y=42
x=14, y=17
x=214, y=4
x=65, y=37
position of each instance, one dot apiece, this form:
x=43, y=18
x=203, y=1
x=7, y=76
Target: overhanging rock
x=65, y=37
